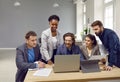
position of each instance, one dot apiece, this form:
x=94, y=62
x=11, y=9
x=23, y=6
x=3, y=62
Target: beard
x=68, y=45
x=98, y=34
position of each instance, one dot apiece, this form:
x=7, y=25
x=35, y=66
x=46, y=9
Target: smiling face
x=53, y=25
x=68, y=41
x=88, y=42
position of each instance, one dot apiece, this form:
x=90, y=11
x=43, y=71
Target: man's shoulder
x=61, y=46
x=108, y=31
x=21, y=47
x=76, y=45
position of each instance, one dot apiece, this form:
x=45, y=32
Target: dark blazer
x=112, y=43
x=62, y=50
x=22, y=61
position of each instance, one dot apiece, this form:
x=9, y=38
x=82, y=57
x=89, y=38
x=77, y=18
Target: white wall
x=32, y=15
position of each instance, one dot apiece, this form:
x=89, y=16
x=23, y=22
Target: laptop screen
x=66, y=63
x=90, y=66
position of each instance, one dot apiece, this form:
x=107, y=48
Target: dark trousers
x=52, y=59
x=54, y=53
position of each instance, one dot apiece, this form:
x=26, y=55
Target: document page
x=43, y=72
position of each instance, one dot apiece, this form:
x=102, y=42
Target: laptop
x=88, y=66
x=66, y=63
x=97, y=57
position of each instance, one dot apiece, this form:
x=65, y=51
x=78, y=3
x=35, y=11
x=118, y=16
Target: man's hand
x=107, y=68
x=41, y=64
x=103, y=61
x=49, y=62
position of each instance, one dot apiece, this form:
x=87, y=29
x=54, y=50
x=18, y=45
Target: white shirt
x=54, y=41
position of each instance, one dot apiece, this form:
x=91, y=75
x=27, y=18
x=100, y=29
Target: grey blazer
x=47, y=44
x=95, y=51
x=22, y=61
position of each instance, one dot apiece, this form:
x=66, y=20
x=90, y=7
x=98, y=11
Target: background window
x=84, y=15
x=107, y=1
x=108, y=14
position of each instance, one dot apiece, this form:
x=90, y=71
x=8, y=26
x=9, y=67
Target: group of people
x=30, y=55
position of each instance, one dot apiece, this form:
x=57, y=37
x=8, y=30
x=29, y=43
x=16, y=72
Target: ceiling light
x=55, y=5
x=17, y=3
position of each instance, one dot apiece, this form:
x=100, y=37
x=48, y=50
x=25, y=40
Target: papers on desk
x=43, y=72
x=33, y=69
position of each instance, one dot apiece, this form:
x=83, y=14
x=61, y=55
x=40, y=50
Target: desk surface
x=74, y=76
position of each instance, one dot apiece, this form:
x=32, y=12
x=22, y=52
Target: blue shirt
x=31, y=55
x=69, y=51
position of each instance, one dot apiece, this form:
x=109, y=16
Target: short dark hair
x=53, y=17
x=30, y=33
x=97, y=22
x=92, y=37
x=71, y=35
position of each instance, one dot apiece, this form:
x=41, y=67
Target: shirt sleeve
x=43, y=48
x=21, y=63
x=112, y=48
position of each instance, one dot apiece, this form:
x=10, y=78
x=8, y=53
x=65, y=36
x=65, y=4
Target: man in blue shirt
x=69, y=47
x=28, y=56
x=110, y=41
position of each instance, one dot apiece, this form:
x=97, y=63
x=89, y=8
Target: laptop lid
x=88, y=66
x=97, y=57
x=66, y=63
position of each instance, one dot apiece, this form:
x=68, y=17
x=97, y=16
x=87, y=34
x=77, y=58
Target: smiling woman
x=50, y=39
x=90, y=47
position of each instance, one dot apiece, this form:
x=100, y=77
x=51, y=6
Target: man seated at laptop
x=28, y=56
x=69, y=47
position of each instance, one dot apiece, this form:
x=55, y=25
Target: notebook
x=66, y=63
x=88, y=66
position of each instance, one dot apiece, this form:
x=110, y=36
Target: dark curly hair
x=71, y=35
x=53, y=17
